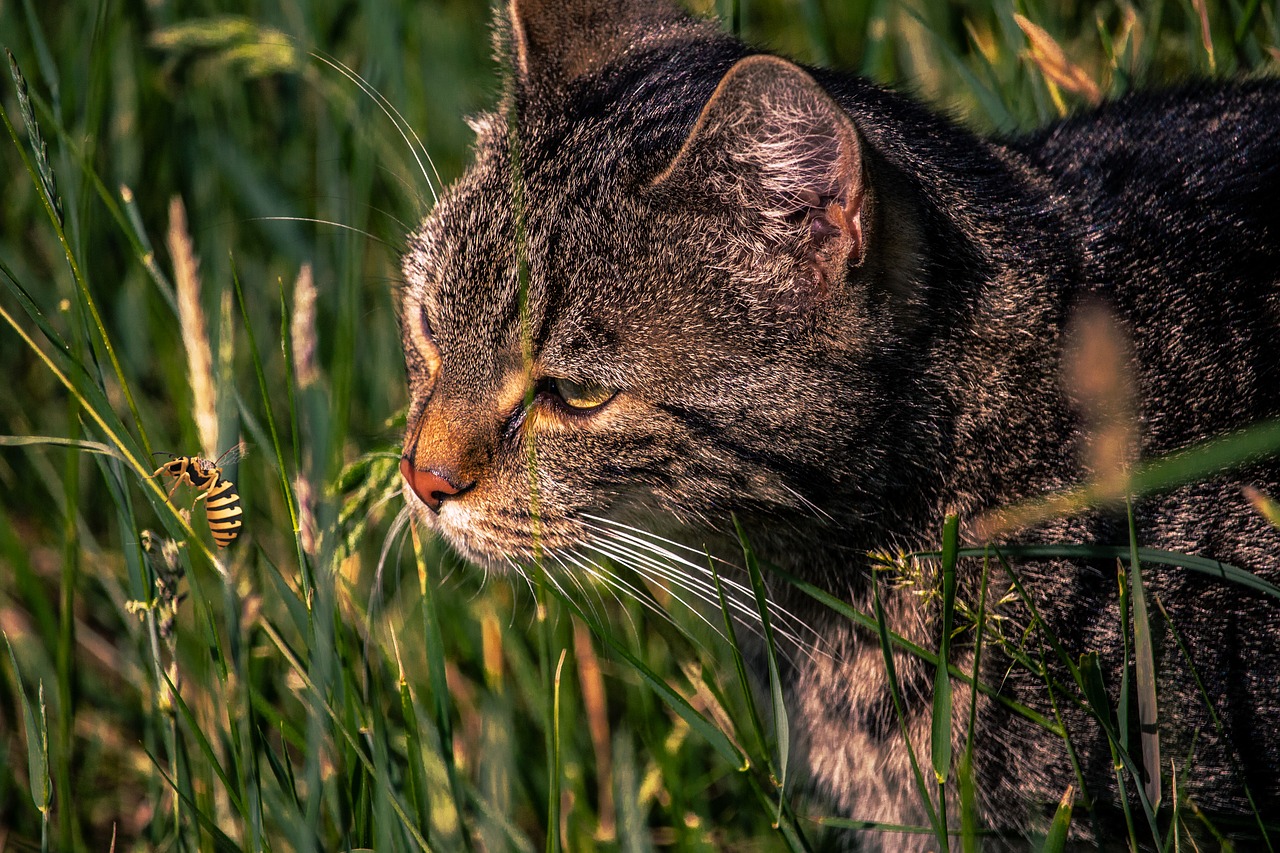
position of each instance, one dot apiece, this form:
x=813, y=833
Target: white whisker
x=639, y=562
x=817, y=510
x=729, y=584
x=642, y=532
x=313, y=220
x=520, y=572
x=646, y=599
x=739, y=597
x=399, y=525
x=577, y=582
x=406, y=131
x=611, y=585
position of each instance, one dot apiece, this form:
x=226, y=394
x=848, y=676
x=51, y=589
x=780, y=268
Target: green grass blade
x=222, y=843
x=781, y=721
x=67, y=669
x=1090, y=679
x=351, y=738
x=57, y=441
x=37, y=740
x=1145, y=672
x=891, y=676
x=286, y=488
x=196, y=730
x=870, y=623
x=677, y=703
x=941, y=723
x=419, y=796
x=92, y=402
x=740, y=667
x=436, y=674
x=1055, y=840
x=784, y=818
x=1175, y=469
x=85, y=297
x=1210, y=706
x=1204, y=565
x=554, y=793
x=633, y=830
x=967, y=783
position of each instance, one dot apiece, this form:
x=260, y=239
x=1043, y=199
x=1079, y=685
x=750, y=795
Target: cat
x=687, y=283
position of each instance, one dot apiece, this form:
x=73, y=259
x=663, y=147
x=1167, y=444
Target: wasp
x=222, y=510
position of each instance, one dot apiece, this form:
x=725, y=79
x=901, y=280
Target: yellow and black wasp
x=222, y=508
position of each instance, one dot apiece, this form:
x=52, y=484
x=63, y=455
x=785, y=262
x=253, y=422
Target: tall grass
x=332, y=680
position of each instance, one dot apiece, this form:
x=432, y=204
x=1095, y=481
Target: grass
x=332, y=681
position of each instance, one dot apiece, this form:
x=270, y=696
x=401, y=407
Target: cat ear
x=772, y=141
x=554, y=42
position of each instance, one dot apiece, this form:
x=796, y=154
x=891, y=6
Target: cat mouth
x=494, y=540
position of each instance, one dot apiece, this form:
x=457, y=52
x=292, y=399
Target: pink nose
x=430, y=486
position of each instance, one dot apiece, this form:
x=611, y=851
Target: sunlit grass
x=332, y=680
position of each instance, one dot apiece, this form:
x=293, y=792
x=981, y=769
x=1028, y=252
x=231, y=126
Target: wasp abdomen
x=223, y=512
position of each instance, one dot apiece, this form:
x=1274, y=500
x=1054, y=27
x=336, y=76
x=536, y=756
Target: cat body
x=686, y=282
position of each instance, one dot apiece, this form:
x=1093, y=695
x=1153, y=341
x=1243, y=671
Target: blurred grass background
x=311, y=713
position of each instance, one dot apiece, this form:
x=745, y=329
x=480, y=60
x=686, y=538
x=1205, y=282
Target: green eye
x=580, y=395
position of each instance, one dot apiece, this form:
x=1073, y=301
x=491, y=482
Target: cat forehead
x=479, y=270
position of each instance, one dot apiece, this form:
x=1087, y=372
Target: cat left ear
x=772, y=140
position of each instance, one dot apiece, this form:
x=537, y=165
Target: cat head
x=651, y=299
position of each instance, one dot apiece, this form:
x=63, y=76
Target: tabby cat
x=686, y=282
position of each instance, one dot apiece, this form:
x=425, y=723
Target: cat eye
x=579, y=395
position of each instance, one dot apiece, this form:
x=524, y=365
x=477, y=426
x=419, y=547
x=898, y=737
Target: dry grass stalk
x=593, y=700
x=1266, y=506
x=1206, y=39
x=302, y=328
x=1097, y=374
x=1048, y=56
x=1098, y=377
x=195, y=332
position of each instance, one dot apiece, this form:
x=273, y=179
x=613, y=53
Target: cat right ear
x=772, y=141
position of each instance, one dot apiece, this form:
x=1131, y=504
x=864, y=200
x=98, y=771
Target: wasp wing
x=233, y=455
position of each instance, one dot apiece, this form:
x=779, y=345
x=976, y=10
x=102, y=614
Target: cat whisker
x=639, y=541
x=518, y=571
x=574, y=579
x=315, y=221
x=739, y=597
x=399, y=526
x=618, y=588
x=610, y=522
x=638, y=538
x=675, y=582
x=616, y=584
x=818, y=511
x=402, y=125
x=671, y=573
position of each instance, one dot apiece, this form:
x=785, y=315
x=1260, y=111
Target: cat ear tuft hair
x=554, y=42
x=481, y=124
x=771, y=140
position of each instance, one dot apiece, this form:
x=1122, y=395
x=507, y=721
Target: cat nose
x=431, y=486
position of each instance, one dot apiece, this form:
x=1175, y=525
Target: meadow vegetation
x=199, y=234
